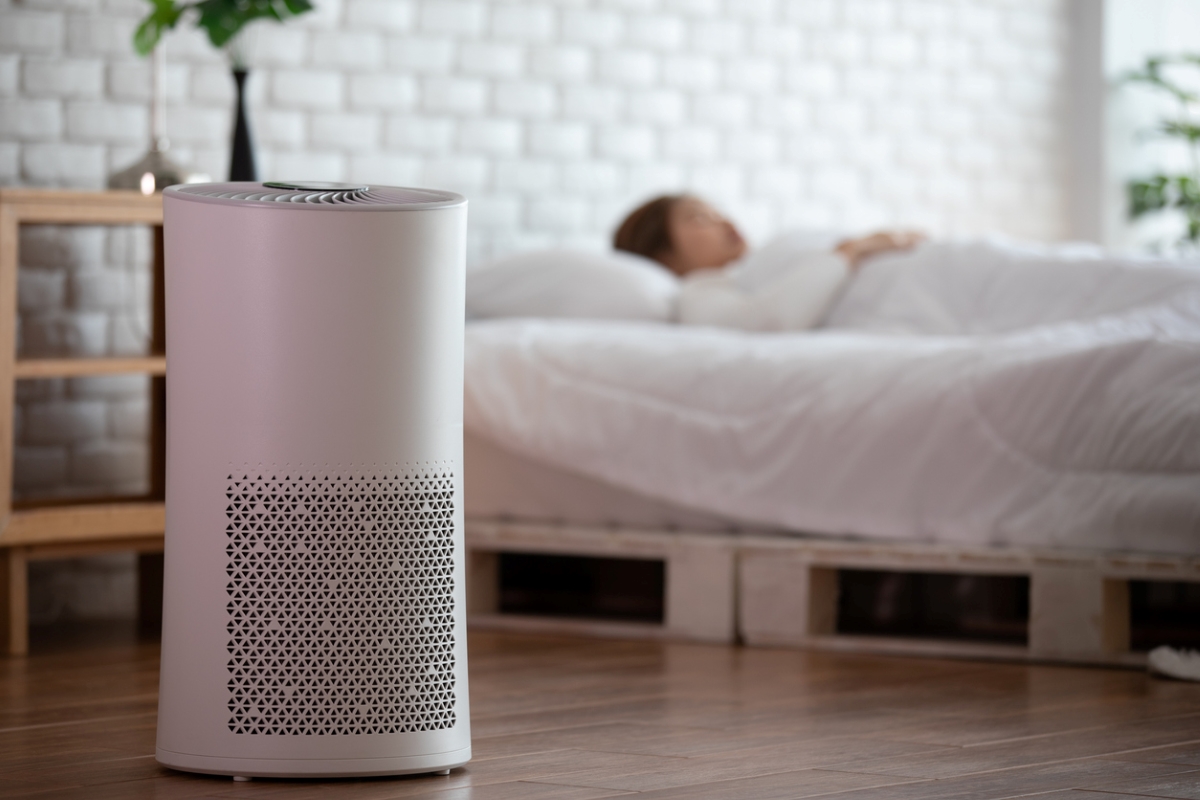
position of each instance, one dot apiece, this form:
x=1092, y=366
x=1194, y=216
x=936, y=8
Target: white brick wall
x=945, y=98
x=553, y=116
x=82, y=290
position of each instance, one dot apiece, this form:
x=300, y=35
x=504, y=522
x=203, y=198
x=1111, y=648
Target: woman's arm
x=855, y=251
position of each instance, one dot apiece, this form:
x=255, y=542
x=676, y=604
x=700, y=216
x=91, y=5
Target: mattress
x=1039, y=401
x=501, y=484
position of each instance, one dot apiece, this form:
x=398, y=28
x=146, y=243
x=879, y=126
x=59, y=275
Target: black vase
x=241, y=163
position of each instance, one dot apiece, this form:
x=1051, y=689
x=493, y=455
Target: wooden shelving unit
x=64, y=530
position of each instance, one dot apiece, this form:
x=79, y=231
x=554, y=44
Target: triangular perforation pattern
x=341, y=603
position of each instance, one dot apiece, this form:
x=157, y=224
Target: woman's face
x=701, y=238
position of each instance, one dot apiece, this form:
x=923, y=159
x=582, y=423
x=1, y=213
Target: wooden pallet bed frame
x=782, y=590
x=1078, y=600
x=701, y=573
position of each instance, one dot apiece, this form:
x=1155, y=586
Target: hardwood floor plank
x=1188, y=753
x=72, y=713
x=1011, y=783
x=1099, y=741
x=730, y=765
x=146, y=789
x=1183, y=785
x=639, y=739
x=555, y=717
x=432, y=788
x=1009, y=728
x=476, y=774
x=1080, y=794
x=522, y=790
x=122, y=736
x=95, y=771
x=778, y=786
x=12, y=787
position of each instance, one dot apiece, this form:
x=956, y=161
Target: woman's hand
x=855, y=251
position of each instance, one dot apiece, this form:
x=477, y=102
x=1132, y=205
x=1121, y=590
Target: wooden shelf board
x=73, y=207
x=74, y=367
x=149, y=543
x=87, y=500
x=70, y=524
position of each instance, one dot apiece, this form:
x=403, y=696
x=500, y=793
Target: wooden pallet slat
x=1077, y=614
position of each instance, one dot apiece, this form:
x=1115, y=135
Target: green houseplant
x=1163, y=190
x=222, y=20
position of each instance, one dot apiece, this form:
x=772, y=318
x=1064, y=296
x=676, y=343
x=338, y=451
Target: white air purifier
x=314, y=614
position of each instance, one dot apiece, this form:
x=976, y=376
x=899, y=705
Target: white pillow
x=568, y=283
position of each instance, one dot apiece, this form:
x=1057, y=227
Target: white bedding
x=936, y=408
x=504, y=485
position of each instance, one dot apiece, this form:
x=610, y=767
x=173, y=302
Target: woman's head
x=681, y=232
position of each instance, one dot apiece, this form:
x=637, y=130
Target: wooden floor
x=578, y=719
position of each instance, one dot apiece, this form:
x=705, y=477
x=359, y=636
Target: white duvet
x=971, y=393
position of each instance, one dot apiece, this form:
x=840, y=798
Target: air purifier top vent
x=314, y=194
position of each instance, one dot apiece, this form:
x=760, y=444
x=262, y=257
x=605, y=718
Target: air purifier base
x=313, y=768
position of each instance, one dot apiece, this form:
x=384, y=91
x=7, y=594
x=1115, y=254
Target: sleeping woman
x=783, y=286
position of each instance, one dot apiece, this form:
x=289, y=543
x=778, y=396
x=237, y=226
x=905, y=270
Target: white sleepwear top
x=783, y=286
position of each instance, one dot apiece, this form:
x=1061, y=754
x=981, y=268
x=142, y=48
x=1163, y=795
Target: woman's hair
x=646, y=231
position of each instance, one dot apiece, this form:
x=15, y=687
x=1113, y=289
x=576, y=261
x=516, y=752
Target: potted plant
x=223, y=21
x=1167, y=190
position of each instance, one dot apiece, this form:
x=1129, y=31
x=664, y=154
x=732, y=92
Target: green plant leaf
x=295, y=7
x=163, y=16
x=1151, y=75
x=1180, y=192
x=1182, y=129
x=1161, y=192
x=223, y=19
x=1187, y=192
x=1146, y=196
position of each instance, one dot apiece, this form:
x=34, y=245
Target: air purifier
x=313, y=620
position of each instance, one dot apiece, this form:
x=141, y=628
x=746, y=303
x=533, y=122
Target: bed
x=988, y=403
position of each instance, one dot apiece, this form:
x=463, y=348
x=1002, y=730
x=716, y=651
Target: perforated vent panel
x=341, y=603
